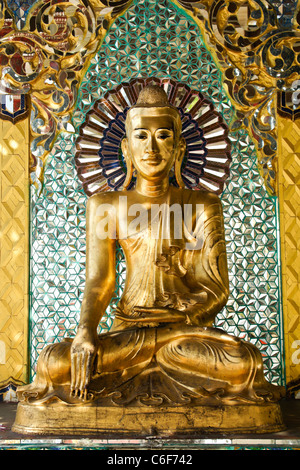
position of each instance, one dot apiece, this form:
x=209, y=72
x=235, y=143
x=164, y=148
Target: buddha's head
x=153, y=142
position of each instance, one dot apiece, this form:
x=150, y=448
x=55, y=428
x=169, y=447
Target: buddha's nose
x=152, y=145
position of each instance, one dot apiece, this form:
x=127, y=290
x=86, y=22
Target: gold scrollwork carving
x=47, y=59
x=257, y=58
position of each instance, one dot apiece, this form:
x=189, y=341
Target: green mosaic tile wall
x=155, y=39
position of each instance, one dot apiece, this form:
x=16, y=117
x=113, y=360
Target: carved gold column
x=14, y=251
x=289, y=208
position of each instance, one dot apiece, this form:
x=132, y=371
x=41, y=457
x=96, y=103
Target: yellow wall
x=14, y=251
x=289, y=207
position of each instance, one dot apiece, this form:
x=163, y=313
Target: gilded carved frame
x=42, y=65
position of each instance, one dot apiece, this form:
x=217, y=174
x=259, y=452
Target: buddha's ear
x=124, y=147
x=129, y=165
x=181, y=148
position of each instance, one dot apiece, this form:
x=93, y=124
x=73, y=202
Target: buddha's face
x=150, y=143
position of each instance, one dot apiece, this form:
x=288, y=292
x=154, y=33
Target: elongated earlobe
x=178, y=162
x=129, y=165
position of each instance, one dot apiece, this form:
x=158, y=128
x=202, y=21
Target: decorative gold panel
x=14, y=251
x=257, y=59
x=289, y=201
x=50, y=53
x=47, y=59
x=255, y=44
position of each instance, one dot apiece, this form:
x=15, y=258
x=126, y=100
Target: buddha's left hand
x=83, y=353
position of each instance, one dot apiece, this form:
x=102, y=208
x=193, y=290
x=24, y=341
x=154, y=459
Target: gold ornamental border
x=47, y=58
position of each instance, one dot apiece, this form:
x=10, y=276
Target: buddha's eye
x=140, y=136
x=164, y=135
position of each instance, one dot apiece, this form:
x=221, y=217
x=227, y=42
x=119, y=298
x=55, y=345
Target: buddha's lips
x=153, y=159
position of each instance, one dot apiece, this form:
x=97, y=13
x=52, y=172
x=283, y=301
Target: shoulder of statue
x=108, y=197
x=213, y=198
x=204, y=197
x=210, y=204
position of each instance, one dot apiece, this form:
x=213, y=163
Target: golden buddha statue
x=163, y=367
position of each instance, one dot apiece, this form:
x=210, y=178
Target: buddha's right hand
x=83, y=352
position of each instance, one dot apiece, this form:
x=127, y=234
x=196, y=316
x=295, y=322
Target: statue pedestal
x=141, y=421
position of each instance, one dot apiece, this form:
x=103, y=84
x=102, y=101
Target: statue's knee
x=55, y=362
x=219, y=360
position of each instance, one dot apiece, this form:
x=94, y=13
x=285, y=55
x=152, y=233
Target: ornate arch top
x=256, y=51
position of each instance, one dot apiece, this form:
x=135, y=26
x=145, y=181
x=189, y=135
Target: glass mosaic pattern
x=285, y=10
x=154, y=38
x=20, y=10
